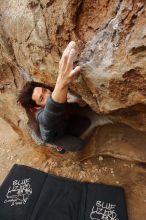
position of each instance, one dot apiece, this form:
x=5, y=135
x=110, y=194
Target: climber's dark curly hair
x=25, y=95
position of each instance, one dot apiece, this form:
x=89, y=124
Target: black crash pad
x=29, y=194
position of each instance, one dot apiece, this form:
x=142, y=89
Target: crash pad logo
x=19, y=192
x=103, y=211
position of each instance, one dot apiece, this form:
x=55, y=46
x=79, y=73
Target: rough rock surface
x=111, y=40
x=111, y=44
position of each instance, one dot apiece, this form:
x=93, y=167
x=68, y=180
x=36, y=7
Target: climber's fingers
x=75, y=72
x=67, y=56
x=66, y=72
x=70, y=61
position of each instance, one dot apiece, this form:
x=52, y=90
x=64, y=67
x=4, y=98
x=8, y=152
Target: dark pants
x=76, y=126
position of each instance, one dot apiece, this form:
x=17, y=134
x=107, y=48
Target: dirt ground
x=100, y=169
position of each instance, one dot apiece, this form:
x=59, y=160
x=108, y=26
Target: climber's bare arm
x=66, y=74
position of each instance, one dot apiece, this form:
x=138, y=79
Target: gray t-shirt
x=52, y=121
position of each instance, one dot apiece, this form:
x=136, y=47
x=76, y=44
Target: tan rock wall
x=111, y=42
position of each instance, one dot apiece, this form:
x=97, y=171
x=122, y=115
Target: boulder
x=111, y=45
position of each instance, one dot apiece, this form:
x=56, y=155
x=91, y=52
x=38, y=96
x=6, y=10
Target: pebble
x=104, y=168
x=111, y=170
x=100, y=158
x=46, y=169
x=126, y=165
x=11, y=158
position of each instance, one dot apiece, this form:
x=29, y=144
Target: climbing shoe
x=60, y=150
